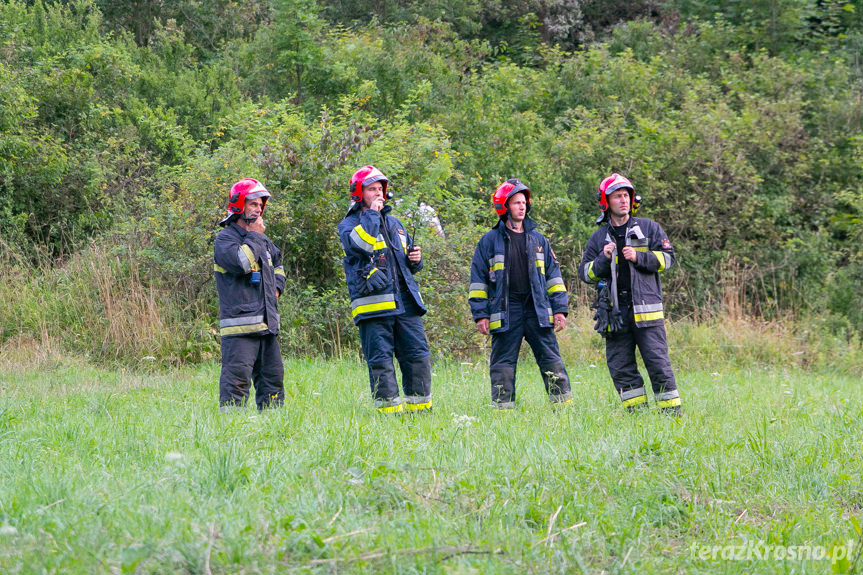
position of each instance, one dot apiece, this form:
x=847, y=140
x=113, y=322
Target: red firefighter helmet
x=366, y=176
x=507, y=190
x=610, y=185
x=247, y=188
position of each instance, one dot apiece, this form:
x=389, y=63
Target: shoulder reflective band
x=478, y=290
x=648, y=312
x=247, y=259
x=372, y=304
x=588, y=272
x=495, y=321
x=496, y=263
x=663, y=263
x=555, y=285
x=366, y=242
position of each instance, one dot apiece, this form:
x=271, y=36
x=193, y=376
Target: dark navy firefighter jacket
x=489, y=278
x=655, y=254
x=375, y=243
x=247, y=308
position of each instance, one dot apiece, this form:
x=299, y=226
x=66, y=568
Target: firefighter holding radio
x=380, y=262
x=249, y=278
x=624, y=258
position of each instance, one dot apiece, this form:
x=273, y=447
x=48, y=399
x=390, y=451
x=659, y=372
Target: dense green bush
x=740, y=124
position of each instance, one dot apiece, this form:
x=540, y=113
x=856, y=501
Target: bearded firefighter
x=249, y=278
x=516, y=293
x=629, y=253
x=380, y=262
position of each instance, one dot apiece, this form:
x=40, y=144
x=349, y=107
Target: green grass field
x=114, y=472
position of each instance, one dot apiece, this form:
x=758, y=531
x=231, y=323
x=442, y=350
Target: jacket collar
x=356, y=207
x=529, y=225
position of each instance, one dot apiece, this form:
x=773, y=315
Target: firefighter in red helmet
x=624, y=257
x=380, y=262
x=516, y=293
x=249, y=279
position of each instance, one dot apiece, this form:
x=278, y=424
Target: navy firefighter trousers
x=256, y=358
x=620, y=356
x=403, y=335
x=523, y=324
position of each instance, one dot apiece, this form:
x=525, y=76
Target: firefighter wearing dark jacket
x=380, y=262
x=517, y=292
x=249, y=278
x=629, y=253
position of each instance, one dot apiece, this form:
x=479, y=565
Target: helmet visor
x=258, y=194
x=376, y=178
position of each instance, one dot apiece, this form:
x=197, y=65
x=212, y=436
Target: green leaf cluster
x=741, y=125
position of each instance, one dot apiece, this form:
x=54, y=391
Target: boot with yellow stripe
x=416, y=404
x=668, y=402
x=392, y=406
x=634, y=400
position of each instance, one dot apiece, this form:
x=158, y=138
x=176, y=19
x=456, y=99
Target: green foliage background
x=122, y=126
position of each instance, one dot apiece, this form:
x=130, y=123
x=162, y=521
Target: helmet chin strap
x=247, y=219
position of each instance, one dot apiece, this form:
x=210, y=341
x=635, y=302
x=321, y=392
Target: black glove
x=615, y=323
x=376, y=279
x=608, y=320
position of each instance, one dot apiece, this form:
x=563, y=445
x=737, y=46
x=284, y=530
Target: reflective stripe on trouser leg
x=391, y=405
x=411, y=349
x=376, y=335
x=667, y=399
x=633, y=397
x=268, y=374
x=653, y=346
x=418, y=403
x=620, y=358
x=543, y=343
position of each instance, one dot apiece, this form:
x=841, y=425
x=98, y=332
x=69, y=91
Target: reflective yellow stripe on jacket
x=663, y=262
x=478, y=290
x=372, y=304
x=242, y=325
x=366, y=242
x=555, y=285
x=496, y=263
x=648, y=312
